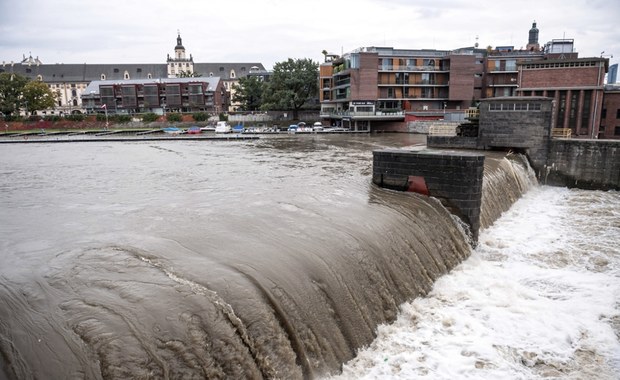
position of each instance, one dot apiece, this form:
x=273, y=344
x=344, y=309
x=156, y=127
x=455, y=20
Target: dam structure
x=524, y=124
x=450, y=168
x=104, y=280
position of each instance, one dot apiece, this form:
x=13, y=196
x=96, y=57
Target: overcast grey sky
x=270, y=31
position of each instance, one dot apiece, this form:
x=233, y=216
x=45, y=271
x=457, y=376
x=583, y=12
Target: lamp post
x=105, y=109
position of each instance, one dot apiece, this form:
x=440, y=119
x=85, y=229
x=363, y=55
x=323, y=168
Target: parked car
x=317, y=127
x=292, y=128
x=194, y=130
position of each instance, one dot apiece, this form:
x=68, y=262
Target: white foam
x=539, y=298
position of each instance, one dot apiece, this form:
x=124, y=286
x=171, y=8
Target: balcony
x=411, y=68
x=508, y=69
x=378, y=115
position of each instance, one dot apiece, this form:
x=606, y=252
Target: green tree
x=249, y=93
x=291, y=85
x=188, y=74
x=174, y=117
x=11, y=88
x=38, y=96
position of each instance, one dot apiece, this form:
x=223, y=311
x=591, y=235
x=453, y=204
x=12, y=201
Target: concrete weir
x=455, y=178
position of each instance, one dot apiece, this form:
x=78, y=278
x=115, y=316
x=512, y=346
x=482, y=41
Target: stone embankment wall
x=585, y=164
x=453, y=178
x=423, y=126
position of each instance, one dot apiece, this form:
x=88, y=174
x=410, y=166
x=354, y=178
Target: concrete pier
x=455, y=178
x=89, y=138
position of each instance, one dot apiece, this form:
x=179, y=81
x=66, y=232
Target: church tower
x=179, y=65
x=532, y=42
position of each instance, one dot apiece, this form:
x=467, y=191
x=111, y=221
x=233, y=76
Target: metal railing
x=564, y=133
x=472, y=113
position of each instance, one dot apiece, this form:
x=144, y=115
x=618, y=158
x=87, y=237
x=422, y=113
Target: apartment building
x=155, y=95
x=382, y=88
x=609, y=127
x=501, y=73
x=575, y=84
x=70, y=81
x=375, y=87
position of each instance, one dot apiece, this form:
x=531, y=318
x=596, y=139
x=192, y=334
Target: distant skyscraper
x=612, y=73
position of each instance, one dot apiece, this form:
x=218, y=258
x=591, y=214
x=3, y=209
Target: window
x=116, y=70
x=520, y=106
x=511, y=65
x=355, y=61
x=430, y=63
x=102, y=76
x=617, y=131
x=618, y=113
x=138, y=70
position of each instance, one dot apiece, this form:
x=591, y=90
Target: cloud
x=73, y=31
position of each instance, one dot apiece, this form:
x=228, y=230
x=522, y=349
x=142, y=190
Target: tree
x=11, y=88
x=37, y=96
x=188, y=74
x=248, y=92
x=292, y=84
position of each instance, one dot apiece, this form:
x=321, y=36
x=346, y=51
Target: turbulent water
x=538, y=299
x=271, y=258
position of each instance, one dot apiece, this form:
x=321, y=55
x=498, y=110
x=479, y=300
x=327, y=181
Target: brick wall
x=611, y=121
x=453, y=178
x=568, y=77
x=585, y=164
x=364, y=80
x=462, y=70
x=528, y=131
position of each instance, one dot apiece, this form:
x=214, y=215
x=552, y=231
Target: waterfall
x=505, y=180
x=159, y=284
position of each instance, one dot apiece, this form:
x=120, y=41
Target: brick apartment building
x=151, y=95
x=575, y=84
x=381, y=88
x=375, y=87
x=70, y=82
x=609, y=127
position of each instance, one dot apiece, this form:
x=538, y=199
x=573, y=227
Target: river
x=277, y=258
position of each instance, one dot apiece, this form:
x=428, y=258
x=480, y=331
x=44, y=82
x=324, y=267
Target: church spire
x=179, y=64
x=179, y=42
x=532, y=42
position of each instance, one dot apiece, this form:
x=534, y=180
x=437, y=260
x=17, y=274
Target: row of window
x=514, y=106
x=559, y=65
x=64, y=85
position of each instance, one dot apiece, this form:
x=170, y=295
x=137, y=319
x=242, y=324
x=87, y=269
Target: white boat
x=172, y=130
x=223, y=127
